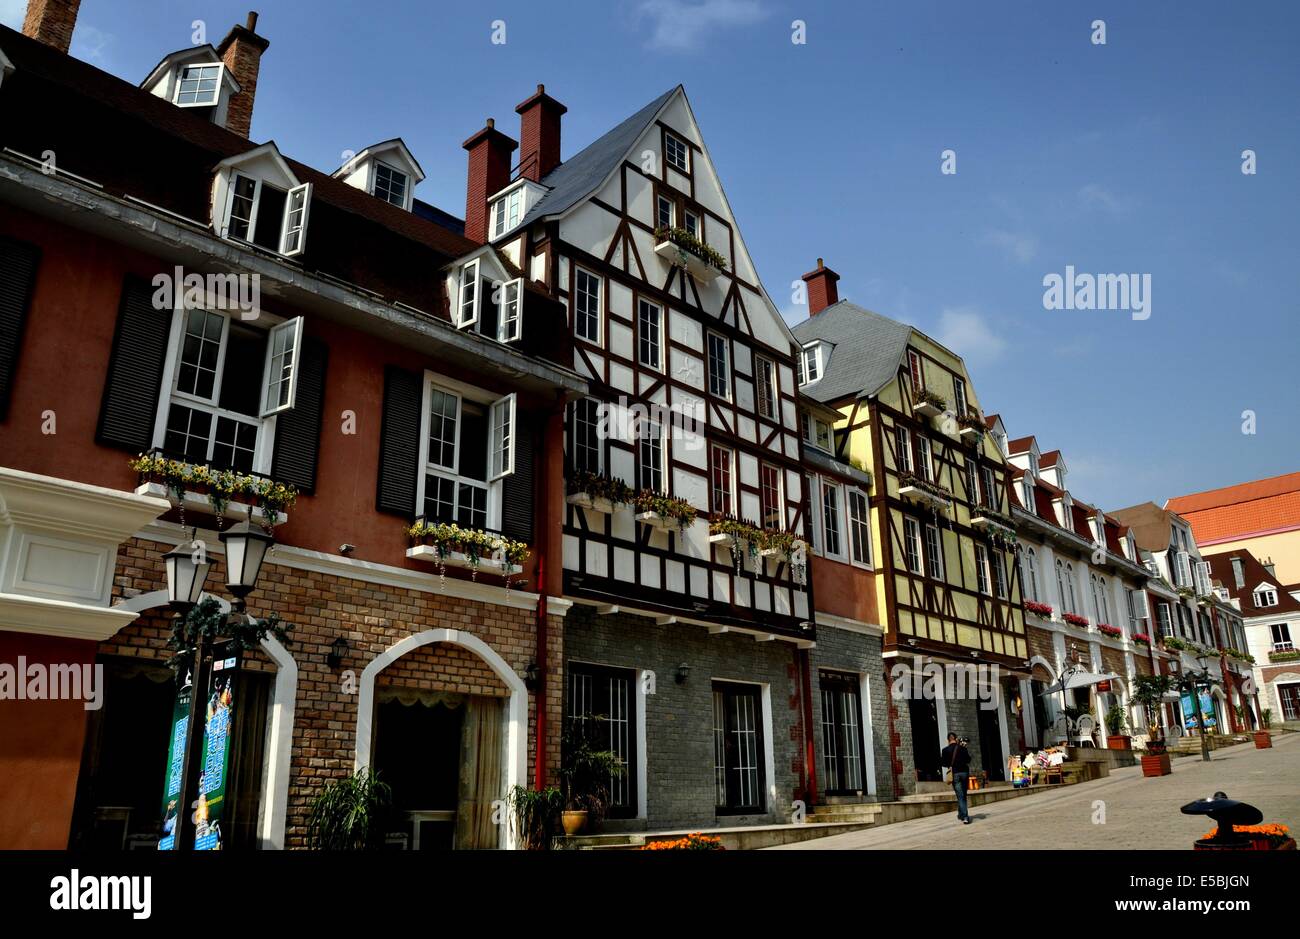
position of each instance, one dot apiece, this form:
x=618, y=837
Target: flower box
x=972, y=434
x=1287, y=655
x=993, y=523
x=1114, y=632
x=193, y=500
x=1155, y=765
x=924, y=497
x=657, y=521
x=1075, y=619
x=493, y=565
x=682, y=249
x=928, y=404
x=592, y=503
x=1142, y=638
x=721, y=537
x=1119, y=742
x=1038, y=609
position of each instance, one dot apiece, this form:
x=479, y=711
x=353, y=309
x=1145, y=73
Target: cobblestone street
x=1139, y=813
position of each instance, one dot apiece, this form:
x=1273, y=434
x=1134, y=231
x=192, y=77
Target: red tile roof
x=1050, y=458
x=1021, y=444
x=1245, y=509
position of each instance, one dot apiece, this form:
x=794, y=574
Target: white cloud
x=682, y=26
x=1019, y=246
x=90, y=43
x=1094, y=195
x=968, y=333
x=12, y=13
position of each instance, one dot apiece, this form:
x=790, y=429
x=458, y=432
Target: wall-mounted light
x=1017, y=703
x=532, y=676
x=683, y=672
x=338, y=649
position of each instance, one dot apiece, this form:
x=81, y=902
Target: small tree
x=1149, y=691
x=536, y=812
x=1116, y=719
x=349, y=813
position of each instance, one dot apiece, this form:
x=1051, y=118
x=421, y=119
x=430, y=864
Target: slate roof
x=582, y=174
x=867, y=350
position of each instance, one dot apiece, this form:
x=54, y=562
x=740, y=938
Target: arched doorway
x=484, y=736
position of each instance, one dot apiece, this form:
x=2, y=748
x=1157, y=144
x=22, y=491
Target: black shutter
x=399, y=442
x=517, y=488
x=297, y=431
x=17, y=277
x=135, y=370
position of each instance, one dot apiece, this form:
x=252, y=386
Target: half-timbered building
x=681, y=565
x=946, y=585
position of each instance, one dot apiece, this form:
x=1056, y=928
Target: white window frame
x=578, y=315
x=1029, y=574
x=288, y=229
x=937, y=561
x=658, y=338
x=913, y=546
x=657, y=445
x=469, y=283
x=503, y=431
x=1262, y=593
x=294, y=328
x=508, y=211
x=923, y=458
x=828, y=487
x=765, y=366
x=730, y=509
x=510, y=319
x=723, y=347
x=960, y=404
x=983, y=572
x=851, y=494
x=216, y=93
x=685, y=150
x=903, y=441
x=393, y=171
x=232, y=184
x=660, y=201
x=698, y=228
x=780, y=497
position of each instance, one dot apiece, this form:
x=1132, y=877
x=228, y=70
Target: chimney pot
x=51, y=22
x=822, y=288
x=539, y=134
x=251, y=25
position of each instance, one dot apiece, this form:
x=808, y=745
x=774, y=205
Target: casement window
x=676, y=153
x=904, y=438
x=859, y=527
x=1029, y=573
x=1163, y=620
x=1182, y=570
x=212, y=413
x=1031, y=504
x=1265, y=596
x=507, y=211
x=264, y=215
x=999, y=572
x=469, y=448
x=1204, y=578
x=990, y=488
x=842, y=744
x=832, y=520
x=719, y=366
x=691, y=222
x=471, y=295
x=972, y=482
x=665, y=213
x=586, y=306
x=810, y=363
x=585, y=447
x=1099, y=599
x=912, y=545
x=934, y=552
x=816, y=432
x=199, y=86
x=923, y=463
x=602, y=707
x=765, y=386
x=738, y=748
x=511, y=322
x=769, y=479
x=917, y=373
x=1281, y=635
x=650, y=456
x=959, y=397
x=390, y=184
x=1065, y=586
x=722, y=477
x=650, y=328
x=982, y=569
x=1135, y=611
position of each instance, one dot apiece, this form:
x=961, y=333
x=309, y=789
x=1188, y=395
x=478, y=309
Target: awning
x=1078, y=680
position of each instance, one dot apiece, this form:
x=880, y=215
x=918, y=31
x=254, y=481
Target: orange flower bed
x=695, y=841
x=1273, y=835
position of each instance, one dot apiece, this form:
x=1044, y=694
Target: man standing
x=955, y=758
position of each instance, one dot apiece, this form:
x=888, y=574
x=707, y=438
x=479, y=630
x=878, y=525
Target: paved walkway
x=1139, y=812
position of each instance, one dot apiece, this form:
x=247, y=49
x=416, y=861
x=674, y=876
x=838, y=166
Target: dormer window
x=507, y=211
x=817, y=432
x=200, y=86
x=810, y=363
x=490, y=307
x=258, y=200
x=390, y=184
x=1265, y=595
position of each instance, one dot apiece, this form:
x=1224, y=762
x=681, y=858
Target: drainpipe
x=539, y=762
x=809, y=751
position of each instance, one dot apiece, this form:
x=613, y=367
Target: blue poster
x=1189, y=712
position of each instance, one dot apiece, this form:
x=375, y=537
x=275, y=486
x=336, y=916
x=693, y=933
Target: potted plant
x=1264, y=739
x=1117, y=724
x=348, y=813
x=1150, y=691
x=536, y=812
x=585, y=775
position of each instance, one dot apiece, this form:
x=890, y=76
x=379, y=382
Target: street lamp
x=246, y=547
x=187, y=572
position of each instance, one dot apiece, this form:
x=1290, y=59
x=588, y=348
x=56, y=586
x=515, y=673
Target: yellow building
x=947, y=582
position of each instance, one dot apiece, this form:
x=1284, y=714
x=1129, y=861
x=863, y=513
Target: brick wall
x=318, y=608
x=679, y=717
x=1039, y=643
x=846, y=651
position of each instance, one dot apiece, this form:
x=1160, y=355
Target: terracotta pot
x=1119, y=742
x=1263, y=740
x=1155, y=765
x=574, y=821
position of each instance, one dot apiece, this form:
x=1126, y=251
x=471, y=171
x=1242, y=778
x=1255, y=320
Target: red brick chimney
x=539, y=134
x=51, y=21
x=242, y=50
x=489, y=173
x=822, y=289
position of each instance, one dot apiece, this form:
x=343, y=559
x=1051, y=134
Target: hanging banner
x=1189, y=711
x=175, y=764
x=209, y=811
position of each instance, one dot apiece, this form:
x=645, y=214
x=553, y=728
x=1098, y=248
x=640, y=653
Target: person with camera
x=955, y=758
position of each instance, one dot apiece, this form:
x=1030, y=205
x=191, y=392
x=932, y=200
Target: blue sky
x=1115, y=158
